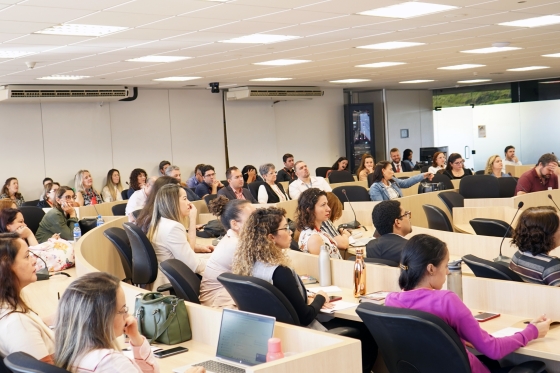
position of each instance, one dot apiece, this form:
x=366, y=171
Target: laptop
x=243, y=342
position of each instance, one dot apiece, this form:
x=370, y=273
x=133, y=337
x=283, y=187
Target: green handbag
x=163, y=319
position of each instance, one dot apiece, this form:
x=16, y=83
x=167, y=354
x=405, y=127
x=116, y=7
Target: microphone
x=43, y=273
x=354, y=224
x=501, y=258
x=550, y=197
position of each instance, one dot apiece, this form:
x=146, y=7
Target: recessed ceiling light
x=81, y=30
x=416, y=81
x=529, y=68
x=350, y=80
x=281, y=62
x=159, y=59
x=461, y=67
x=408, y=10
x=544, y=55
x=14, y=54
x=491, y=50
x=474, y=81
x=260, y=39
x=64, y=77
x=176, y=78
x=391, y=45
x=382, y=64
x=533, y=22
x=269, y=79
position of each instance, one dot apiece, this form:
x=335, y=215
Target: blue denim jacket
x=378, y=192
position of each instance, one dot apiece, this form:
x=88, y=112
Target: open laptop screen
x=244, y=337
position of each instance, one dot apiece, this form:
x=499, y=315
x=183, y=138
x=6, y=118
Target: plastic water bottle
x=324, y=267
x=455, y=278
x=77, y=232
x=100, y=220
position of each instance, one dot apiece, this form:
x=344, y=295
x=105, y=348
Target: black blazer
x=389, y=247
x=230, y=194
x=272, y=196
x=405, y=167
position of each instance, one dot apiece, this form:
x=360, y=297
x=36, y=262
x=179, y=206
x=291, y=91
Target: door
x=453, y=127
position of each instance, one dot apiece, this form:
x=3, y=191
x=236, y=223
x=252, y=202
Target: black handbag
x=213, y=229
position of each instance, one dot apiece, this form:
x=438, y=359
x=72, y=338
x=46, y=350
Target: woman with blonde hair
x=366, y=167
x=85, y=193
x=494, y=167
x=111, y=192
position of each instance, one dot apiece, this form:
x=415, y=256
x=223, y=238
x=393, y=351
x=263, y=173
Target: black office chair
x=424, y=169
x=491, y=227
x=254, y=295
x=124, y=194
x=481, y=172
x=186, y=284
x=479, y=186
x=452, y=199
x=20, y=362
x=254, y=188
x=442, y=178
x=321, y=171
x=507, y=186
x=355, y=193
x=436, y=347
x=225, y=183
x=437, y=219
x=120, y=240
x=119, y=210
x=370, y=180
x=209, y=197
x=32, y=215
x=376, y=261
x=30, y=203
x=340, y=177
x=487, y=269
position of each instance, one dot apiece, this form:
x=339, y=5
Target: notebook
x=243, y=342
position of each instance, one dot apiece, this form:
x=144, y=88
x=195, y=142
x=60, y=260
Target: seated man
x=541, y=177
x=197, y=178
x=175, y=172
x=163, y=165
x=305, y=181
x=398, y=166
x=392, y=223
x=510, y=158
x=287, y=173
x=235, y=189
x=138, y=199
x=209, y=185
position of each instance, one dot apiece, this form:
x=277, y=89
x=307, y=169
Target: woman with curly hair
x=537, y=233
x=137, y=180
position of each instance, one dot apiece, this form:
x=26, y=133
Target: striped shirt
x=537, y=269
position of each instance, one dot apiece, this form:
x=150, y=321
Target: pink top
x=447, y=305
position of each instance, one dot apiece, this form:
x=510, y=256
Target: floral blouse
x=91, y=197
x=18, y=201
x=327, y=240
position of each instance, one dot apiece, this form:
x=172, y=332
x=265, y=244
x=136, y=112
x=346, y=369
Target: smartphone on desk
x=334, y=298
x=485, y=316
x=172, y=351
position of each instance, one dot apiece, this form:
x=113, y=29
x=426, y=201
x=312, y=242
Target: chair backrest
x=413, y=341
x=30, y=203
x=355, y=193
x=442, y=178
x=437, y=218
x=209, y=197
x=425, y=169
x=144, y=260
x=120, y=240
x=185, y=282
x=480, y=172
x=32, y=215
x=124, y=194
x=254, y=188
x=225, y=183
x=20, y=362
x=479, y=186
x=507, y=186
x=340, y=177
x=321, y=171
x=491, y=227
x=452, y=199
x=369, y=180
x=252, y=294
x=487, y=269
x=119, y=210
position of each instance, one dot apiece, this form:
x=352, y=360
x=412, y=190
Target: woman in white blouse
x=167, y=230
x=111, y=192
x=438, y=163
x=270, y=191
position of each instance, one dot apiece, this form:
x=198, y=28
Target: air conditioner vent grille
x=81, y=93
x=284, y=93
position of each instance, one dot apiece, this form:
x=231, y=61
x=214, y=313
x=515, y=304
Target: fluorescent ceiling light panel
x=391, y=45
x=80, y=30
x=474, y=81
x=281, y=62
x=260, y=39
x=350, y=81
x=158, y=59
x=14, y=54
x=270, y=79
x=529, y=68
x=461, y=67
x=408, y=10
x=381, y=64
x=491, y=50
x=177, y=78
x=533, y=22
x=417, y=81
x=64, y=77
x=557, y=55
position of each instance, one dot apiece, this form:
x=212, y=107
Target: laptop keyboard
x=217, y=367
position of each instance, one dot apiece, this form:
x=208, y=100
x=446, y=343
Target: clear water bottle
x=324, y=267
x=100, y=220
x=455, y=278
x=77, y=232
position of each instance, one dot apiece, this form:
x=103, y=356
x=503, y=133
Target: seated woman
x=407, y=158
x=49, y=193
x=537, y=233
x=312, y=211
x=111, y=192
x=341, y=164
x=11, y=190
x=167, y=231
x=341, y=236
x=270, y=191
x=233, y=215
x=137, y=180
x=423, y=272
x=21, y=329
x=61, y=218
x=494, y=167
x=6, y=203
x=438, y=163
x=365, y=168
x=454, y=169
x=85, y=192
x=250, y=175
x=386, y=187
x=11, y=221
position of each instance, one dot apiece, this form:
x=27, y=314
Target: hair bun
x=218, y=205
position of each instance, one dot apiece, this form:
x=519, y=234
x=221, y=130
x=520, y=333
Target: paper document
x=326, y=289
x=506, y=332
x=361, y=241
x=339, y=305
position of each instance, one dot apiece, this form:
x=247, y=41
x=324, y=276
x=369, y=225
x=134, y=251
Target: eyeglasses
x=458, y=162
x=124, y=311
x=287, y=229
x=409, y=213
x=210, y=175
x=68, y=198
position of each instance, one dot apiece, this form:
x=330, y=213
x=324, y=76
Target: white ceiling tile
x=39, y=39
x=41, y=14
x=73, y=4
x=163, y=7
x=234, y=11
x=252, y=27
x=110, y=18
x=187, y=24
x=22, y=27
x=296, y=17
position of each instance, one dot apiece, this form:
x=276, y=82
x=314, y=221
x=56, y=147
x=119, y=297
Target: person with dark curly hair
x=137, y=181
x=537, y=233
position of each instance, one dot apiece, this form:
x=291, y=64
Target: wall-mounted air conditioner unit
x=59, y=93
x=273, y=93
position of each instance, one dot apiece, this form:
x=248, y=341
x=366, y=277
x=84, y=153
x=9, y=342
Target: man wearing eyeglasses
x=392, y=222
x=235, y=189
x=541, y=177
x=210, y=184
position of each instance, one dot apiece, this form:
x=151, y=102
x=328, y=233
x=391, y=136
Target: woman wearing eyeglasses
x=270, y=191
x=61, y=218
x=454, y=169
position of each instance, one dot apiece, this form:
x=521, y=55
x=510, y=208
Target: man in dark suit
x=392, y=223
x=235, y=188
x=398, y=166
